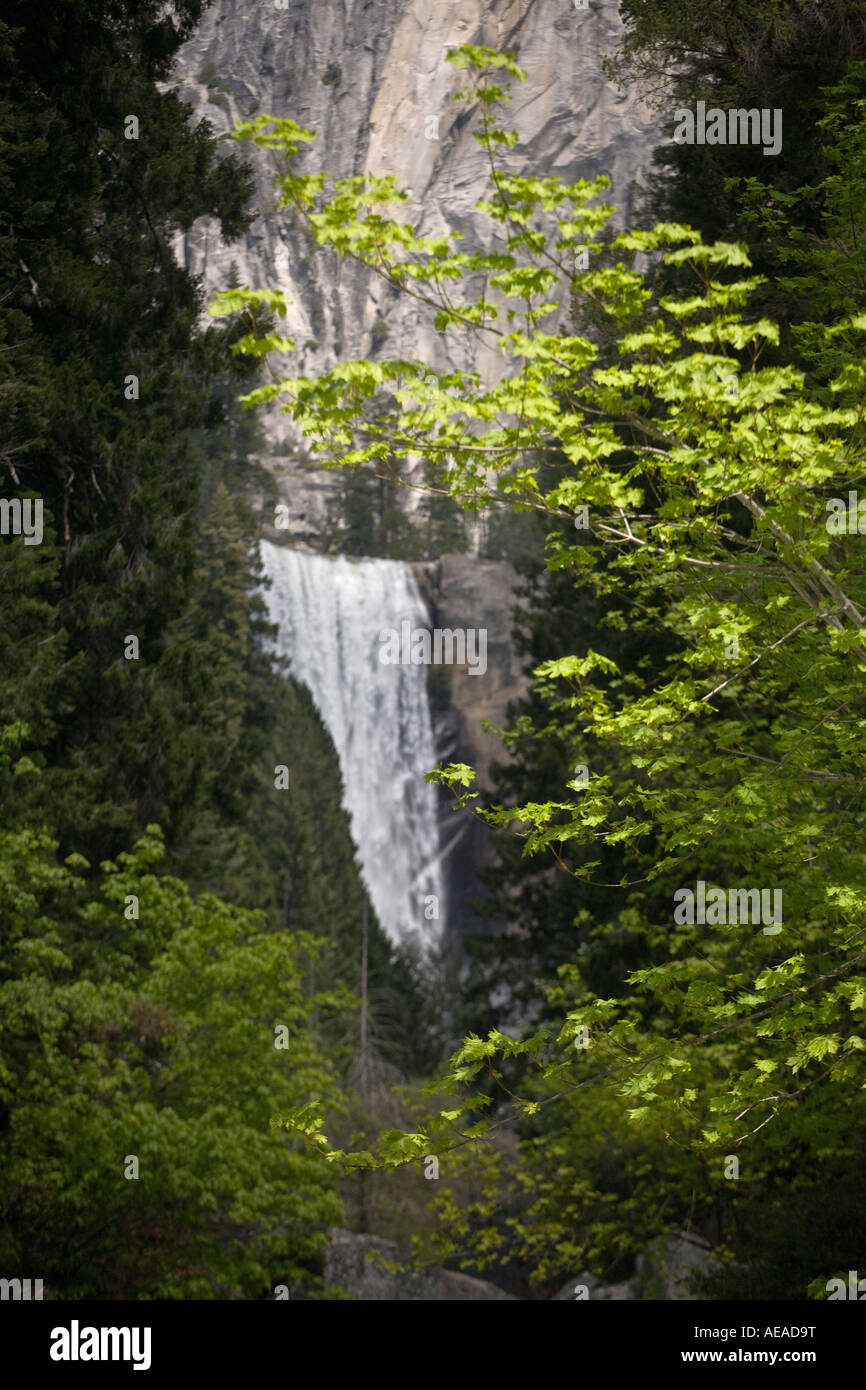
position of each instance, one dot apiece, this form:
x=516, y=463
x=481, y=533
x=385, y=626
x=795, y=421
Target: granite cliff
x=370, y=77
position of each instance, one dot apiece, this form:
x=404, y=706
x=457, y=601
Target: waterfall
x=329, y=613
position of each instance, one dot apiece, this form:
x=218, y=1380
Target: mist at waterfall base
x=329, y=613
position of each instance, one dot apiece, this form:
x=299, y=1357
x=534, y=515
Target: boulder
x=661, y=1273
x=362, y=1265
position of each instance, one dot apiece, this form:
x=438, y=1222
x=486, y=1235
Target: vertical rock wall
x=370, y=77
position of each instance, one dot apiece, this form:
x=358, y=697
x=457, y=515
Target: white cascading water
x=329, y=613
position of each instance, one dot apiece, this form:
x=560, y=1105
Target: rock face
x=466, y=593
x=370, y=77
x=352, y=1265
